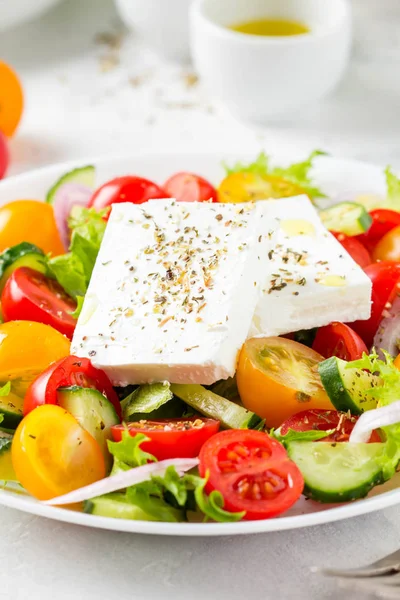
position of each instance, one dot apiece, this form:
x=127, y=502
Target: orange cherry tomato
x=53, y=455
x=278, y=377
x=246, y=187
x=11, y=99
x=30, y=221
x=388, y=248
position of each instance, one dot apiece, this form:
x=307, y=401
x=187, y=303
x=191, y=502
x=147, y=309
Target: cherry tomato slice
x=11, y=99
x=388, y=247
x=171, y=438
x=324, y=420
x=126, y=189
x=53, y=455
x=384, y=276
x=31, y=296
x=338, y=339
x=68, y=372
x=383, y=221
x=187, y=187
x=252, y=471
x=354, y=247
x=4, y=155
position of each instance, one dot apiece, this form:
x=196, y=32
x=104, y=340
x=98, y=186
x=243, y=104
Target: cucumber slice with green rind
x=231, y=415
x=348, y=389
x=338, y=471
x=21, y=255
x=93, y=412
x=81, y=175
x=349, y=218
x=116, y=506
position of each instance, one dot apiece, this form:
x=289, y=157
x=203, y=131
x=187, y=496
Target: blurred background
x=93, y=87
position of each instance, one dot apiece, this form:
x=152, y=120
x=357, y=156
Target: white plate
x=14, y=12
x=339, y=179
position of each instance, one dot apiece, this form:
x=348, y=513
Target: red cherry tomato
x=354, y=247
x=4, y=155
x=171, y=438
x=126, y=189
x=252, y=472
x=31, y=296
x=338, y=339
x=68, y=372
x=324, y=420
x=384, y=276
x=383, y=221
x=187, y=187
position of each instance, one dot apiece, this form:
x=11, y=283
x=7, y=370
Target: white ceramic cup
x=263, y=78
x=162, y=24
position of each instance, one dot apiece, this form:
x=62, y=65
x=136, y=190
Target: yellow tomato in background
x=388, y=248
x=30, y=221
x=278, y=378
x=246, y=187
x=53, y=455
x=11, y=99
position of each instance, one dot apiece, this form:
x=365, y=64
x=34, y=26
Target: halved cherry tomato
x=4, y=155
x=252, y=472
x=126, y=189
x=171, y=438
x=338, y=339
x=30, y=295
x=11, y=99
x=385, y=277
x=383, y=221
x=278, y=377
x=30, y=221
x=388, y=247
x=354, y=247
x=324, y=420
x=187, y=187
x=53, y=455
x=68, y=372
x=246, y=187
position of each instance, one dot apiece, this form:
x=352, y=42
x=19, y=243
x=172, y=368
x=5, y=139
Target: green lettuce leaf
x=393, y=188
x=300, y=436
x=387, y=387
x=146, y=399
x=127, y=453
x=74, y=269
x=4, y=391
x=297, y=173
x=211, y=505
x=79, y=304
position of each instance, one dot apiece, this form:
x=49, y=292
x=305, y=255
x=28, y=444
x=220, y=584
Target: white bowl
x=14, y=12
x=163, y=24
x=262, y=78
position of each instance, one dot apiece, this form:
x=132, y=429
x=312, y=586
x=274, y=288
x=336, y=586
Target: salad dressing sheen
x=294, y=227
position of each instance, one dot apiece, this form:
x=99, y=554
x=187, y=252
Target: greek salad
x=176, y=351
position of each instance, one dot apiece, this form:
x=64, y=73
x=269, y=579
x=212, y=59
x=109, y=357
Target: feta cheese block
x=173, y=291
x=311, y=280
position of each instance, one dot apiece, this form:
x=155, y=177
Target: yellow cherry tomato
x=53, y=455
x=278, y=377
x=388, y=248
x=30, y=221
x=246, y=187
x=11, y=99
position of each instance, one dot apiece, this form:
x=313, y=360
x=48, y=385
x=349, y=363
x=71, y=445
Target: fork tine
x=372, y=587
x=384, y=566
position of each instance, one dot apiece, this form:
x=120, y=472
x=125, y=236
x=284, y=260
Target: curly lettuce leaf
x=297, y=173
x=4, y=391
x=127, y=453
x=387, y=386
x=74, y=269
x=300, y=436
x=79, y=305
x=211, y=505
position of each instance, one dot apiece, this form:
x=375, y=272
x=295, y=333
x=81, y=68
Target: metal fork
x=389, y=565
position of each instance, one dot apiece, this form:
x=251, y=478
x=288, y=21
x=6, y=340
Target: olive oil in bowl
x=271, y=27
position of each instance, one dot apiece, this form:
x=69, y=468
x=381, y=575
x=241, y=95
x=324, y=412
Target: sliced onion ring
x=388, y=334
x=67, y=196
x=374, y=419
x=123, y=480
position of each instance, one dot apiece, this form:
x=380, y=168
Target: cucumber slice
x=338, y=472
x=231, y=416
x=349, y=218
x=347, y=388
x=93, y=411
x=11, y=409
x=82, y=175
x=21, y=255
x=116, y=506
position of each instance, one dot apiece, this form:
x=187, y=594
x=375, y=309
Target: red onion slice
x=67, y=196
x=123, y=480
x=388, y=335
x=374, y=419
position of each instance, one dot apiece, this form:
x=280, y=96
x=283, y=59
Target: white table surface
x=75, y=109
